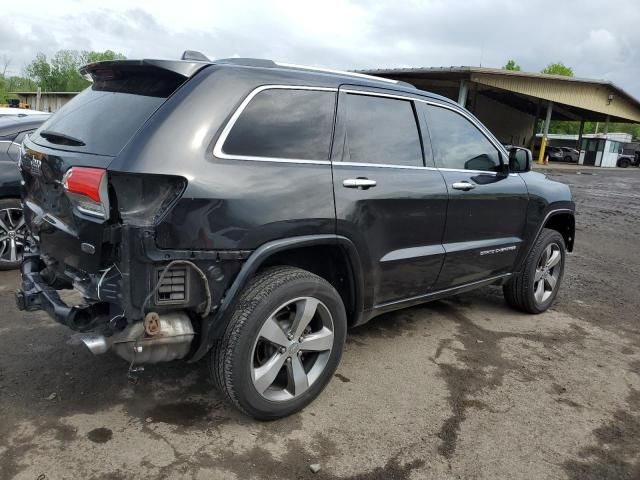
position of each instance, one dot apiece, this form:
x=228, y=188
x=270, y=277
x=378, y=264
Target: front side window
x=284, y=123
x=459, y=144
x=382, y=130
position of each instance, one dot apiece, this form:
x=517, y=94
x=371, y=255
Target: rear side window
x=104, y=117
x=284, y=123
x=383, y=131
x=459, y=144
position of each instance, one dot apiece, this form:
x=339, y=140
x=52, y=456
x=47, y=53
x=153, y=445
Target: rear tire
x=535, y=288
x=13, y=239
x=264, y=369
x=568, y=159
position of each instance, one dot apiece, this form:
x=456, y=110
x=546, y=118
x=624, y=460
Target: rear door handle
x=360, y=183
x=466, y=186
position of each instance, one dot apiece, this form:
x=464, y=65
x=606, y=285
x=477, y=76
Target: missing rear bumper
x=35, y=294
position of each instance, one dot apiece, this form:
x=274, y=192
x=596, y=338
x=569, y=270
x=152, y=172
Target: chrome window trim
x=382, y=165
x=218, y=151
x=477, y=124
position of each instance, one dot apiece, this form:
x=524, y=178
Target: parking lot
x=463, y=388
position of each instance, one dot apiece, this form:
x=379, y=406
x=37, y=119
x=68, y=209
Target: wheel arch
x=332, y=257
x=564, y=223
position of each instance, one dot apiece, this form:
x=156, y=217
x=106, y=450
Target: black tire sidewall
x=547, y=237
x=250, y=400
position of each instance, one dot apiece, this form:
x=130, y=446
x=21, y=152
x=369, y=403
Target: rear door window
x=284, y=123
x=382, y=131
x=459, y=144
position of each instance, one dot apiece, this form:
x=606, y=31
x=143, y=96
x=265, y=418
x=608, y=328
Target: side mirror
x=520, y=159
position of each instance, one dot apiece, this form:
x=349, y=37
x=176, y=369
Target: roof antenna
x=194, y=55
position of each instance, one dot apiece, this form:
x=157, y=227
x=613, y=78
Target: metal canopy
x=573, y=98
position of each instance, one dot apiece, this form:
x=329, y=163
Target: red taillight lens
x=84, y=181
x=87, y=190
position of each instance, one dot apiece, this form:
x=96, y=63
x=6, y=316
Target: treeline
x=56, y=74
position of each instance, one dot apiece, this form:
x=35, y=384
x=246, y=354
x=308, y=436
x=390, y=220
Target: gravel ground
x=464, y=388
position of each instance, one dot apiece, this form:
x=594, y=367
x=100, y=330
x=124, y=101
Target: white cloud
x=595, y=39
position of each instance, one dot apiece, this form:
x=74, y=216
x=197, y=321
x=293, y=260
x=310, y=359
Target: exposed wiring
x=164, y=272
x=104, y=274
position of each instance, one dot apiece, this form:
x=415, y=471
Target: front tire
x=535, y=288
x=624, y=163
x=282, y=344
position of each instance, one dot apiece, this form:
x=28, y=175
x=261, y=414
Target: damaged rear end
x=93, y=229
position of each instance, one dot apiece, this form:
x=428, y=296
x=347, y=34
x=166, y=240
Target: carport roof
x=582, y=97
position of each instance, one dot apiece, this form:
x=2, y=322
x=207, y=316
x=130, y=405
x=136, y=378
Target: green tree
x=558, y=68
x=511, y=65
x=91, y=57
x=60, y=73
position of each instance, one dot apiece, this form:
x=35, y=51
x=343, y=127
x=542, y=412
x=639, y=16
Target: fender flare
x=213, y=326
x=534, y=238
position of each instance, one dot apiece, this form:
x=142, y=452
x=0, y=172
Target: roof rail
x=194, y=55
x=246, y=62
x=338, y=72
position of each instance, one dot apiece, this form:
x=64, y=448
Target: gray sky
x=597, y=39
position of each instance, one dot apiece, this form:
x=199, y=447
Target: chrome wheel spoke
x=551, y=281
x=13, y=250
x=267, y=373
x=539, y=291
x=297, y=376
x=3, y=225
x=272, y=331
x=305, y=310
x=538, y=276
x=554, y=259
x=318, y=342
x=4, y=237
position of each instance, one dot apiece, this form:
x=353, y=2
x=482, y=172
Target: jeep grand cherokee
x=251, y=211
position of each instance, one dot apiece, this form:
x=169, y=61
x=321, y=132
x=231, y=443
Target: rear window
x=104, y=117
x=284, y=123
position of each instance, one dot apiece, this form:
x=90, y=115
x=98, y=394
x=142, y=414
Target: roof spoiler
x=184, y=68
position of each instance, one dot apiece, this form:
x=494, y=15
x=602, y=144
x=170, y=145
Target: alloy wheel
x=292, y=349
x=547, y=273
x=12, y=235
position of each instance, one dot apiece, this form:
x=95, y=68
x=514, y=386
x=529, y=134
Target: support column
x=606, y=125
x=532, y=143
x=580, y=132
x=545, y=133
x=463, y=93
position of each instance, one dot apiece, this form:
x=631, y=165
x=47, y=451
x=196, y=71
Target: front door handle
x=466, y=186
x=360, y=183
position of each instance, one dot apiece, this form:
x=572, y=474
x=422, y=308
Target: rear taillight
x=87, y=190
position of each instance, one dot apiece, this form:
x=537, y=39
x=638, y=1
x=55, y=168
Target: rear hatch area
x=75, y=207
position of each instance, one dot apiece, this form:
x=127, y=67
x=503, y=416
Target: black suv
x=252, y=211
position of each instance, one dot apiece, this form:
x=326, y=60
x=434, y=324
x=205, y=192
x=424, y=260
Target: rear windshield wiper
x=61, y=138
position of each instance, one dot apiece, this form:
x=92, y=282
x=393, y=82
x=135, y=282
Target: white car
x=20, y=112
